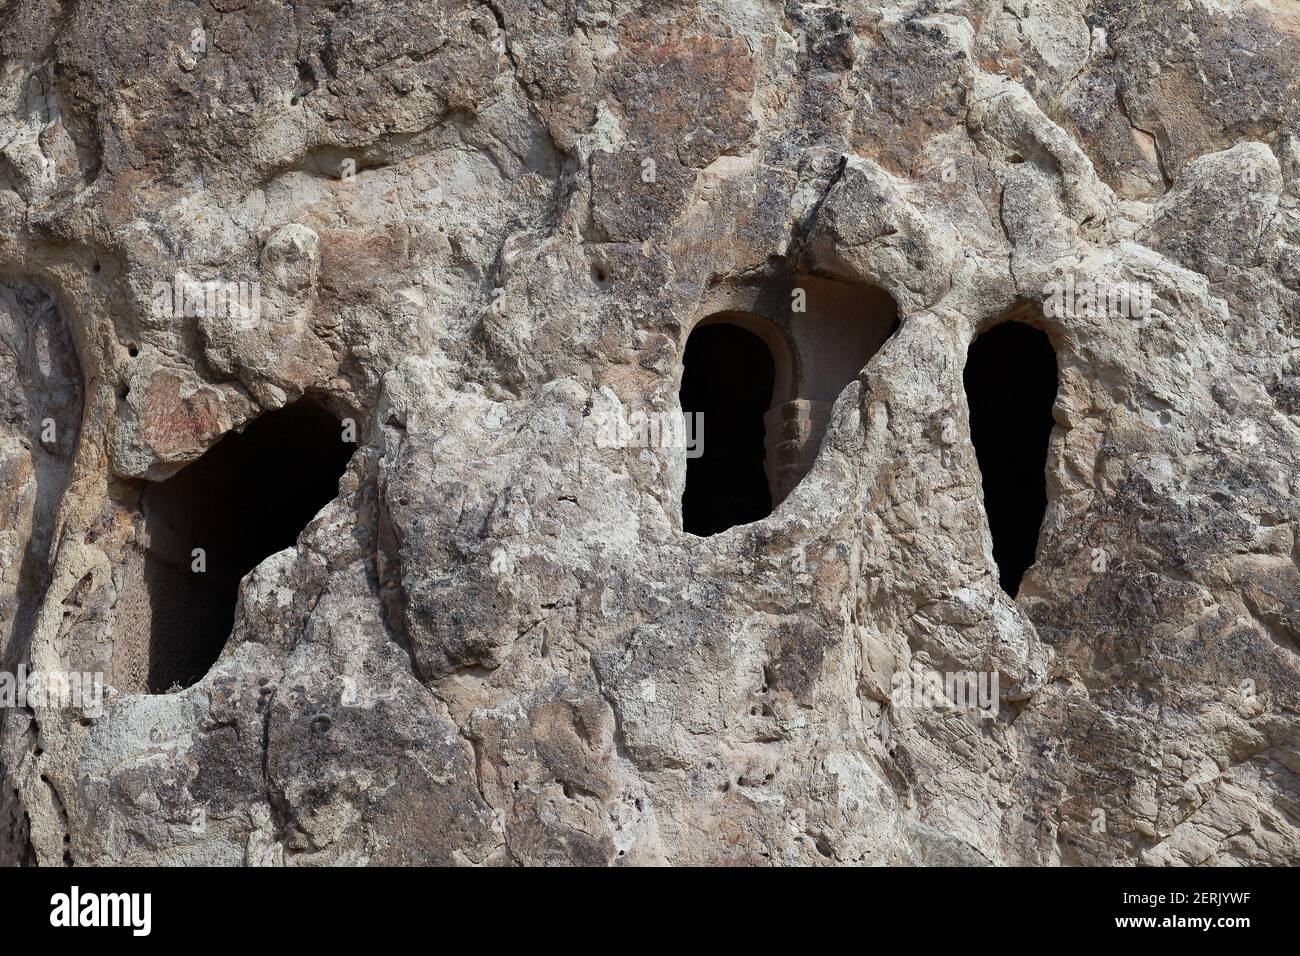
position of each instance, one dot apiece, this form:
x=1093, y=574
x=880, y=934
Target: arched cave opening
x=248, y=497
x=1011, y=381
x=728, y=376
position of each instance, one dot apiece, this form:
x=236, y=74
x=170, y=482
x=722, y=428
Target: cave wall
x=477, y=230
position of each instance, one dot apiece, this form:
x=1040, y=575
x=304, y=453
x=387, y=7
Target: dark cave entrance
x=1011, y=380
x=248, y=497
x=728, y=376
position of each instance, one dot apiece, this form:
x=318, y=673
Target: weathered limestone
x=479, y=231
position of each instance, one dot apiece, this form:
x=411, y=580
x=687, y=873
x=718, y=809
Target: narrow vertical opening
x=248, y=497
x=728, y=376
x=1011, y=380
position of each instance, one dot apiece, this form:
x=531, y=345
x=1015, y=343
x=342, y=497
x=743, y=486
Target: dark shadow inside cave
x=728, y=376
x=1011, y=381
x=248, y=497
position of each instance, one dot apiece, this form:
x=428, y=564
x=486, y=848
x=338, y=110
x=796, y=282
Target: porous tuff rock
x=497, y=645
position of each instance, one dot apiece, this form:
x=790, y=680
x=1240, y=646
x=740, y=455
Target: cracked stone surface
x=477, y=230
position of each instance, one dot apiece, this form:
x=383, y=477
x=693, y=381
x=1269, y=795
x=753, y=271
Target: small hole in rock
x=1010, y=380
x=727, y=380
x=758, y=388
x=206, y=527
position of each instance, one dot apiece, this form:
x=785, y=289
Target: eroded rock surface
x=473, y=232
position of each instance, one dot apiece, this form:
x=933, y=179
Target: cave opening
x=206, y=527
x=728, y=377
x=1011, y=380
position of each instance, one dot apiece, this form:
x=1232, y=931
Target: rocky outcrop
x=474, y=234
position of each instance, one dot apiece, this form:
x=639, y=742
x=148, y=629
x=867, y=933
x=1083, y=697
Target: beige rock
x=469, y=237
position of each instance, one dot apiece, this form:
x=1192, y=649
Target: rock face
x=473, y=234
